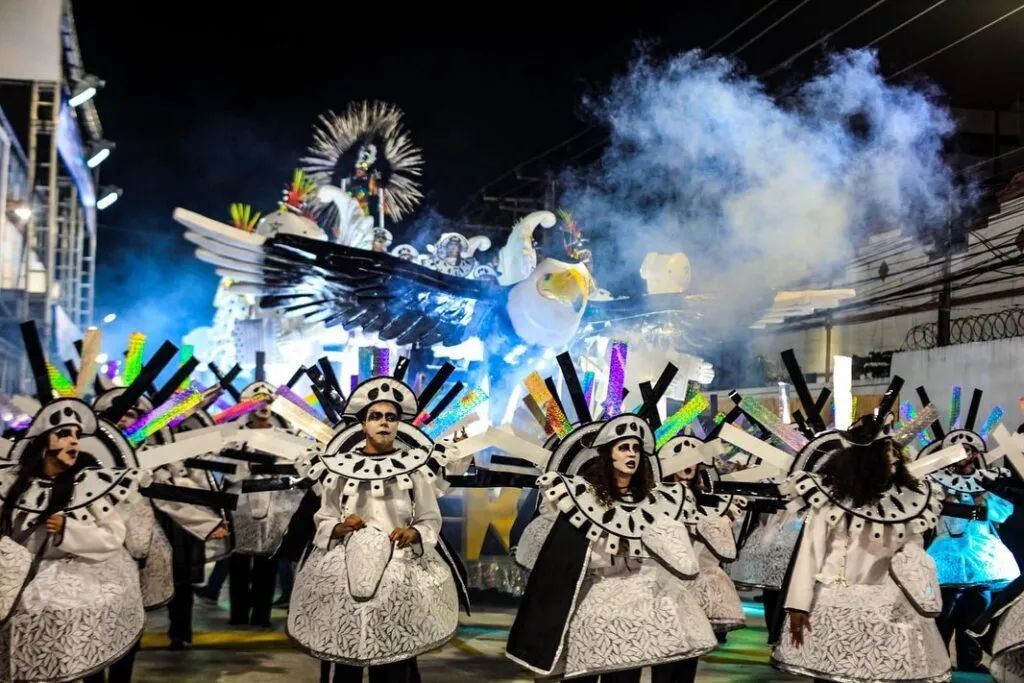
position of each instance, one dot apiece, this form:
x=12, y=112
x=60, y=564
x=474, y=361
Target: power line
x=741, y=25
x=908, y=21
x=517, y=167
x=957, y=42
x=775, y=23
x=789, y=60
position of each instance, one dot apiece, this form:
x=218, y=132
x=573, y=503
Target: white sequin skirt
x=864, y=634
x=719, y=600
x=415, y=609
x=1007, y=664
x=75, y=617
x=635, y=619
x=764, y=557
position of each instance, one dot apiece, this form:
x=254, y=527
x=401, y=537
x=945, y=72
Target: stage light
x=109, y=318
x=23, y=212
x=109, y=195
x=102, y=359
x=85, y=89
x=98, y=152
x=842, y=385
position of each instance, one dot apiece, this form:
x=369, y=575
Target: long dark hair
x=861, y=474
x=600, y=472
x=31, y=467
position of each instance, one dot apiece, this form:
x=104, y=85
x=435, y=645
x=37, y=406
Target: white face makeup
x=381, y=426
x=63, y=445
x=686, y=475
x=626, y=455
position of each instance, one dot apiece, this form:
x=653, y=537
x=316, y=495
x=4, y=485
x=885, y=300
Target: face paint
x=626, y=455
x=381, y=427
x=63, y=445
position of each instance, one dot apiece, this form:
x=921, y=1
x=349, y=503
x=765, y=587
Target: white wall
x=996, y=367
x=911, y=267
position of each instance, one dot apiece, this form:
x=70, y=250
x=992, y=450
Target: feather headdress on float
x=368, y=142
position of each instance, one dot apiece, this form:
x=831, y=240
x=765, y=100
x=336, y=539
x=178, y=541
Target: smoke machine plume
x=760, y=193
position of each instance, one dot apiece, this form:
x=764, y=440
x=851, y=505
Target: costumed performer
x=972, y=560
x=380, y=585
x=165, y=537
x=262, y=517
x=711, y=530
x=862, y=593
x=611, y=588
x=81, y=607
x=1000, y=630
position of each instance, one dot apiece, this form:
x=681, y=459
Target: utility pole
x=946, y=295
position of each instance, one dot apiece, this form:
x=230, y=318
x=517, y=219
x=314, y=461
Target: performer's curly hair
x=600, y=472
x=861, y=474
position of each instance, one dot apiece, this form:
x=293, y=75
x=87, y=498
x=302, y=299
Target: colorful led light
x=59, y=382
x=991, y=421
x=133, y=361
x=770, y=421
x=616, y=378
x=162, y=416
x=679, y=419
x=455, y=413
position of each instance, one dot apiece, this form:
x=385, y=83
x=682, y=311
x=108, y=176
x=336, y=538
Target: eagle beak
x=569, y=287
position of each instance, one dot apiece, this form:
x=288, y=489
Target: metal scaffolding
x=55, y=283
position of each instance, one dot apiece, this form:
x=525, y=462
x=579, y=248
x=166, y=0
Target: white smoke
x=761, y=193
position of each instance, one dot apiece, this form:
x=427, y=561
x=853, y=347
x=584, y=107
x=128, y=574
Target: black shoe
x=176, y=645
x=205, y=597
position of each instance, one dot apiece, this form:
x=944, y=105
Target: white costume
x=360, y=600
x=612, y=586
x=863, y=626
x=82, y=610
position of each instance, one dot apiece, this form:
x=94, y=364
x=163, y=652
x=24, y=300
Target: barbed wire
x=1004, y=324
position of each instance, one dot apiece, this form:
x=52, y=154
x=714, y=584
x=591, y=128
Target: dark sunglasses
x=377, y=416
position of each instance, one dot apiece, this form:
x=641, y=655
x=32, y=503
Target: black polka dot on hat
x=620, y=429
x=632, y=426
x=399, y=396
x=385, y=387
x=373, y=394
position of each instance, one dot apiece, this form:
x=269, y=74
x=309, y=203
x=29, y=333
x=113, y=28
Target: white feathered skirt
x=1007, y=665
x=75, y=617
x=865, y=633
x=415, y=609
x=635, y=619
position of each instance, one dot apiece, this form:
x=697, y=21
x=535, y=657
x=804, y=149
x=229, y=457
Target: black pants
x=118, y=672
x=404, y=671
x=179, y=609
x=252, y=588
x=285, y=576
x=771, y=597
x=960, y=608
x=684, y=671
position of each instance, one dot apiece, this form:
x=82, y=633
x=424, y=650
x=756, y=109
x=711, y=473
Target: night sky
x=210, y=106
